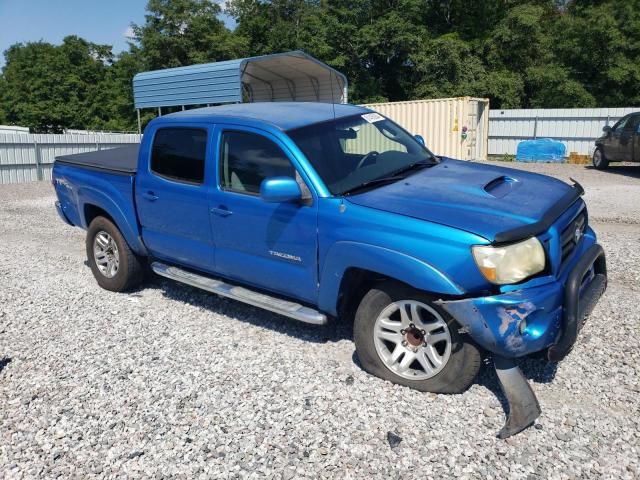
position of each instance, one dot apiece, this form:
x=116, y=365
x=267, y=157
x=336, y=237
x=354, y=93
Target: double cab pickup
x=327, y=213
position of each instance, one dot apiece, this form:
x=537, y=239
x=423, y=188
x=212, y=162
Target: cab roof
x=282, y=115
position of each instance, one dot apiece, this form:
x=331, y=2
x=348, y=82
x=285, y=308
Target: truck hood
x=478, y=198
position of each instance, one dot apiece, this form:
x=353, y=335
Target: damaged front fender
x=512, y=324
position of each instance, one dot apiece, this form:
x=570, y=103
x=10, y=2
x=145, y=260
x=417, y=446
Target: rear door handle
x=221, y=210
x=150, y=196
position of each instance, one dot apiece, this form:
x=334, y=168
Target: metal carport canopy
x=289, y=76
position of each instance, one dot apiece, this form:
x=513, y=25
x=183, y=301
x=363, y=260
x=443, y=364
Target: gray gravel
x=172, y=382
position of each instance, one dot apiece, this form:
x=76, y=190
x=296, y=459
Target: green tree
x=386, y=46
x=49, y=88
x=114, y=96
x=504, y=88
x=369, y=41
x=519, y=53
x=550, y=86
x=525, y=70
x=184, y=32
x=599, y=42
x=3, y=89
x=470, y=20
x=449, y=67
x=271, y=27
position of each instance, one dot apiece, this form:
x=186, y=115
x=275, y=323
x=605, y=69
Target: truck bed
x=117, y=160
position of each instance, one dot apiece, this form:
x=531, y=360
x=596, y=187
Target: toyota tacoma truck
x=327, y=213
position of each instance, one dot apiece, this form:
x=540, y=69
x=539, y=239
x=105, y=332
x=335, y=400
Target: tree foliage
x=184, y=32
x=518, y=53
x=49, y=88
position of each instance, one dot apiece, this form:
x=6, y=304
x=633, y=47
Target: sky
x=98, y=21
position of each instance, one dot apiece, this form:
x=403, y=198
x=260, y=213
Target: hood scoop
x=501, y=186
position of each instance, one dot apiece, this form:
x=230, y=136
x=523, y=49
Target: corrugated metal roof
x=289, y=76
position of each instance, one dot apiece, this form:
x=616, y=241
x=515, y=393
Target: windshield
x=358, y=150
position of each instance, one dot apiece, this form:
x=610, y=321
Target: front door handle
x=221, y=210
x=150, y=196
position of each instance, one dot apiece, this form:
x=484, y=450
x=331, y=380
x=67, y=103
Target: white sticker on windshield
x=373, y=117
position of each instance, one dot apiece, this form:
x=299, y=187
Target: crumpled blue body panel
x=495, y=322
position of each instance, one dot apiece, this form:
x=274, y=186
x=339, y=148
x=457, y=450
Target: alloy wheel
x=412, y=339
x=106, y=254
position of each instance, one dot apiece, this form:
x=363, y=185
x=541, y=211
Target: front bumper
x=585, y=285
x=530, y=320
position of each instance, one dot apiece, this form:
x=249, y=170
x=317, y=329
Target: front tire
x=403, y=337
x=600, y=162
x=113, y=264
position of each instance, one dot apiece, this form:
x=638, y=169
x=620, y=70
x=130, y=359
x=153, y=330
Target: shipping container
x=451, y=127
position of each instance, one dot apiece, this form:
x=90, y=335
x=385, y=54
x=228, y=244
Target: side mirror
x=606, y=129
x=280, y=190
x=420, y=140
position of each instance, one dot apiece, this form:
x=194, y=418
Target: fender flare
x=393, y=264
x=90, y=196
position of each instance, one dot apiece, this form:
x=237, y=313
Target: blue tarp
x=541, y=150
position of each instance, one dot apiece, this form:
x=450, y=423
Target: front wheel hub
x=414, y=337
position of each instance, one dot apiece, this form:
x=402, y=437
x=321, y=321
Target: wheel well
x=92, y=211
x=356, y=282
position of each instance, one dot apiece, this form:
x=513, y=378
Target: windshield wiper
x=414, y=166
x=394, y=176
x=373, y=183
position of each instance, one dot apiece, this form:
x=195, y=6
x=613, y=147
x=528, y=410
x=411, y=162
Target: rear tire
x=600, y=162
x=113, y=264
x=434, y=356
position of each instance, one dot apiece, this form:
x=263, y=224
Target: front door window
x=247, y=159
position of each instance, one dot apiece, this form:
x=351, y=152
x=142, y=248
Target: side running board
x=260, y=300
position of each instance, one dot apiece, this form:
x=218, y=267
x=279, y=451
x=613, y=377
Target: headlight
x=511, y=263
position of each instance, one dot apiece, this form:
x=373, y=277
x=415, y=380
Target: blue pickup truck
x=327, y=213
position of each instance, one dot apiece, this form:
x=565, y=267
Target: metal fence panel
x=577, y=128
x=29, y=157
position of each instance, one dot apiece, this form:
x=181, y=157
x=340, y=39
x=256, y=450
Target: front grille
x=568, y=238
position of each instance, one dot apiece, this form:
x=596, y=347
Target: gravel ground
x=172, y=382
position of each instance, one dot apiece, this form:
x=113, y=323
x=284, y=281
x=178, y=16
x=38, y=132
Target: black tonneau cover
x=120, y=160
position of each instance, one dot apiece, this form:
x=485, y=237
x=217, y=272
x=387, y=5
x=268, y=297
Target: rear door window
x=179, y=154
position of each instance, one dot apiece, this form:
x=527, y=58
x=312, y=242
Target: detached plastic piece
x=523, y=404
x=541, y=150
